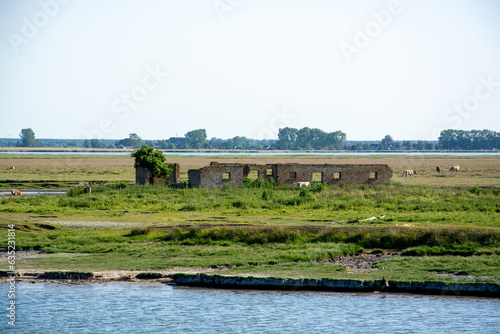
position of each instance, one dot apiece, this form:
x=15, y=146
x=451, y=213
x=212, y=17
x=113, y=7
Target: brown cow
x=438, y=169
x=409, y=172
x=16, y=193
x=455, y=168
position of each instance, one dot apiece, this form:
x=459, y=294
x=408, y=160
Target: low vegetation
x=396, y=204
x=293, y=251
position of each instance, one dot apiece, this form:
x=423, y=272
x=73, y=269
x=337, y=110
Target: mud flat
x=334, y=285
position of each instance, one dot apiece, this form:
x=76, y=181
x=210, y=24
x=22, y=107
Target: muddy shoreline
x=336, y=285
x=207, y=278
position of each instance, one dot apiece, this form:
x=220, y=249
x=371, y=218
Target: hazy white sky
x=104, y=69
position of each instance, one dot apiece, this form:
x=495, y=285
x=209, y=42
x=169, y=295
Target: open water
x=252, y=153
x=159, y=308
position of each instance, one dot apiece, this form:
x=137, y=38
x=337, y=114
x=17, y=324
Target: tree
x=86, y=143
x=135, y=140
x=334, y=140
x=287, y=139
x=237, y=142
x=196, y=138
x=387, y=141
x=154, y=161
x=28, y=138
x=95, y=143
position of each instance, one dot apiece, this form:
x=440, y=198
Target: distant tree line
x=469, y=140
x=309, y=139
x=389, y=144
x=288, y=139
x=197, y=139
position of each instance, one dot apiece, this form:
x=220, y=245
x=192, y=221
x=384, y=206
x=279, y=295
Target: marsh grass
x=284, y=251
x=415, y=204
x=339, y=241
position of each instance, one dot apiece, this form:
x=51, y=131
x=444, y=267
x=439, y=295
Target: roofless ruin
x=217, y=175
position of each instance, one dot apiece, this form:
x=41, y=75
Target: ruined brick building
x=216, y=175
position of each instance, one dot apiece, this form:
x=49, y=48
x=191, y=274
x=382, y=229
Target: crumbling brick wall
x=374, y=174
x=142, y=176
x=216, y=175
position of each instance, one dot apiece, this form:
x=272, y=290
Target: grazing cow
x=13, y=167
x=303, y=184
x=408, y=172
x=455, y=168
x=87, y=190
x=438, y=169
x=16, y=193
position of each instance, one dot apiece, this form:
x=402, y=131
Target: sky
x=105, y=69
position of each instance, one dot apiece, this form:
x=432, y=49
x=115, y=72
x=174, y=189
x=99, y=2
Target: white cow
x=303, y=184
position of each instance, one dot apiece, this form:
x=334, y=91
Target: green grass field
x=445, y=227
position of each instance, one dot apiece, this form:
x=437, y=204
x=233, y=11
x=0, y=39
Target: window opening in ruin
x=253, y=175
x=226, y=176
x=269, y=172
x=336, y=175
x=317, y=177
x=292, y=175
x=373, y=175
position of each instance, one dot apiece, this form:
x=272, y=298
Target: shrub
x=319, y=187
x=239, y=204
x=257, y=183
x=139, y=231
x=475, y=190
x=267, y=195
x=75, y=191
x=121, y=185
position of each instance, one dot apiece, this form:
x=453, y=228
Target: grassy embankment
x=456, y=224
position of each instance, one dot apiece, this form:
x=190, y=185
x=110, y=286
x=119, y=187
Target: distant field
x=477, y=170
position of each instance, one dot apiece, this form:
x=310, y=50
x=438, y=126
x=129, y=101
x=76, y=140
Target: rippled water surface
x=158, y=308
x=246, y=153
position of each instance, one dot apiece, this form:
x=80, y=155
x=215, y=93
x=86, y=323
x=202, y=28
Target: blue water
x=38, y=192
x=246, y=153
x=159, y=308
